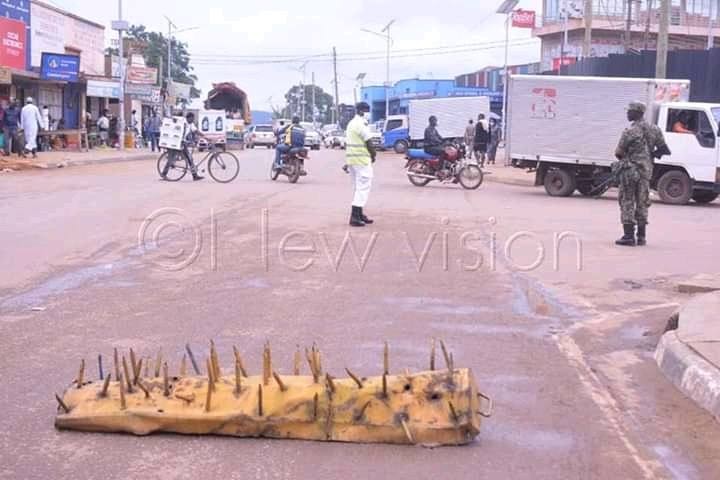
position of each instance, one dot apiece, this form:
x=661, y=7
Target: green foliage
x=324, y=103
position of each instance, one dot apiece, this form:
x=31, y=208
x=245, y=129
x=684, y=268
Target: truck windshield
x=716, y=114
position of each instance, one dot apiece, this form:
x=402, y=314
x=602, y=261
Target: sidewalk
x=508, y=175
x=689, y=355
x=60, y=159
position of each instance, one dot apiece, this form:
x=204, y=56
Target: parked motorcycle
x=423, y=168
x=293, y=165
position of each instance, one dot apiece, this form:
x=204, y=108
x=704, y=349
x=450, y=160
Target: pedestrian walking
x=495, y=137
x=639, y=144
x=359, y=157
x=11, y=122
x=31, y=122
x=103, y=125
x=482, y=137
x=154, y=128
x=469, y=138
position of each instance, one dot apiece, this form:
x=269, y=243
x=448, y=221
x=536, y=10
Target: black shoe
x=365, y=219
x=197, y=177
x=641, y=235
x=628, y=240
x=356, y=217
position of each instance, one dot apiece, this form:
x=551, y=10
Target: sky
x=228, y=38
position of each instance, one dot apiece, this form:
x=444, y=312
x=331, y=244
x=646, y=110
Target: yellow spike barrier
x=428, y=408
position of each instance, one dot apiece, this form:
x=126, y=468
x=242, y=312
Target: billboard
x=523, y=19
x=18, y=10
x=13, y=45
x=56, y=66
x=140, y=74
x=103, y=89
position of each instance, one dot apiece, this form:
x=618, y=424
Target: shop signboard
x=103, y=89
x=142, y=75
x=147, y=94
x=56, y=66
x=18, y=10
x=12, y=44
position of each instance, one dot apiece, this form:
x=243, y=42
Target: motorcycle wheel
x=420, y=168
x=293, y=171
x=274, y=174
x=470, y=177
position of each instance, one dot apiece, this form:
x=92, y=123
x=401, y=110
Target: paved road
x=566, y=352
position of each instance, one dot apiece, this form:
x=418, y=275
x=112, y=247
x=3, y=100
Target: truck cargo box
x=453, y=115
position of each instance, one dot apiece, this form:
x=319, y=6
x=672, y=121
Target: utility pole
x=386, y=30
x=648, y=22
x=337, y=89
x=711, y=37
x=662, y=47
x=627, y=41
x=564, y=38
x=587, y=43
x=312, y=108
x=121, y=26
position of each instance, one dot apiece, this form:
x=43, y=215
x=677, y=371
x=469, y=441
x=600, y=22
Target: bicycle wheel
x=223, y=167
x=175, y=163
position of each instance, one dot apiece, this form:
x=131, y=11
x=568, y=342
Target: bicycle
x=222, y=166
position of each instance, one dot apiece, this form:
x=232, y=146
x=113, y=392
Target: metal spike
x=166, y=380
x=260, y=401
x=126, y=375
x=158, y=363
x=143, y=388
x=408, y=434
x=183, y=366
x=451, y=367
x=123, y=404
x=432, y=356
x=192, y=359
x=316, y=406
x=453, y=412
x=116, y=363
x=238, y=360
x=445, y=354
x=210, y=388
x=384, y=385
x=318, y=362
x=106, y=384
x=238, y=378
x=311, y=363
x=61, y=403
x=134, y=365
x=355, y=378
x=386, y=359
x=100, y=368
x=148, y=361
x=330, y=383
x=361, y=413
x=81, y=374
x=215, y=361
x=297, y=361
x=138, y=371
x=283, y=387
x=267, y=364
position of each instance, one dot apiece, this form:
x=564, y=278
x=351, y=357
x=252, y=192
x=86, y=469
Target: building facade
x=492, y=80
x=402, y=92
x=691, y=23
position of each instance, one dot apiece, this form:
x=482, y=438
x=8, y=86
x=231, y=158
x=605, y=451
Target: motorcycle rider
x=292, y=136
x=433, y=141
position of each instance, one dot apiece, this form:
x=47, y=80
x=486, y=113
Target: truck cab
x=397, y=133
x=693, y=170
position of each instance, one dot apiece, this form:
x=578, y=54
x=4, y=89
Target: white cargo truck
x=566, y=130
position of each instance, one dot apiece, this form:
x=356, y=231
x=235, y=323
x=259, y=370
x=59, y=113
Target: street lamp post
x=171, y=27
x=385, y=33
x=120, y=25
x=506, y=9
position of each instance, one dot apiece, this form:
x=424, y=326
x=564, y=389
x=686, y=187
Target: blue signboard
x=56, y=66
x=19, y=10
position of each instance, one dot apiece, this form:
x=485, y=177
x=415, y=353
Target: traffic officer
x=639, y=144
x=360, y=156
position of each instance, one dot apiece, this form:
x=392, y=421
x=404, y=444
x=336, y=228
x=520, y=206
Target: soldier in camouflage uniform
x=638, y=146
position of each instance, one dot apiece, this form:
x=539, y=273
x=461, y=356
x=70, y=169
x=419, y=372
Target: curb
x=697, y=378
x=508, y=181
x=99, y=161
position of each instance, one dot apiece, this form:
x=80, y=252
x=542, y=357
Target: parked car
x=261, y=135
x=335, y=139
x=312, y=136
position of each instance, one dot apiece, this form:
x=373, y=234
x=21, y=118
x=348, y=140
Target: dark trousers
x=155, y=141
x=279, y=151
x=9, y=134
x=175, y=156
x=435, y=151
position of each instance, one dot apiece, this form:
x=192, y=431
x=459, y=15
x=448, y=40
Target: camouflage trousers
x=634, y=198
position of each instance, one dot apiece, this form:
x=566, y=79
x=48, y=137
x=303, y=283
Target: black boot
x=628, y=240
x=365, y=219
x=641, y=241
x=197, y=177
x=356, y=217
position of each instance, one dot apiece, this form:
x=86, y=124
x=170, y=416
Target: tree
x=323, y=103
x=155, y=49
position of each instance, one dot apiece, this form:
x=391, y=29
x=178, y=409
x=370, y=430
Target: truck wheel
x=400, y=147
x=675, y=188
x=559, y=183
x=705, y=196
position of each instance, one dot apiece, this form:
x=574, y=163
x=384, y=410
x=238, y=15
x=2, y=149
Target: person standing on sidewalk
x=495, y=137
x=11, y=121
x=359, y=157
x=469, y=138
x=482, y=136
x=103, y=125
x=154, y=126
x=31, y=122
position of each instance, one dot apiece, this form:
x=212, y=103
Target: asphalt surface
x=108, y=256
